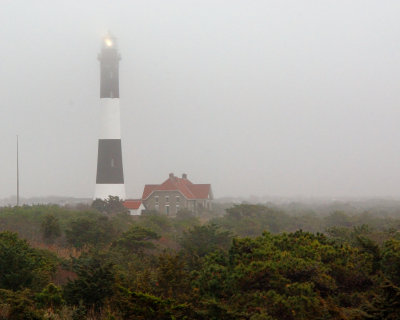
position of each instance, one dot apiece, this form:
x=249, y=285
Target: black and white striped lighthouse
x=110, y=173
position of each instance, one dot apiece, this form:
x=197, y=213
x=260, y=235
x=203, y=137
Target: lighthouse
x=110, y=173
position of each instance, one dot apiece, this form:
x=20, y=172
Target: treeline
x=253, y=263
x=251, y=220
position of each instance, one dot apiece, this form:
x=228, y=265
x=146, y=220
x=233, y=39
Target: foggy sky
x=260, y=97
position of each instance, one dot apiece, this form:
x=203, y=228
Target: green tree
x=287, y=276
x=201, y=240
x=50, y=297
x=157, y=222
x=137, y=305
x=22, y=266
x=19, y=305
x=251, y=220
x=184, y=220
x=87, y=231
x=391, y=260
x=111, y=205
x=338, y=218
x=95, y=282
x=136, y=240
x=213, y=279
x=50, y=227
x=173, y=278
x=385, y=303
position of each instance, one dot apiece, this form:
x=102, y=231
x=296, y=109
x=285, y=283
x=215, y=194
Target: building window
x=167, y=210
x=166, y=198
x=156, y=199
x=177, y=199
x=157, y=207
x=177, y=208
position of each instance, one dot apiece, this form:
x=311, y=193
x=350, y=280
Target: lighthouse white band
x=105, y=190
x=110, y=118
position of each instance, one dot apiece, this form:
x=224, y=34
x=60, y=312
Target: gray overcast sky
x=255, y=97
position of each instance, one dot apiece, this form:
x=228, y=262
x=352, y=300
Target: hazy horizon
x=282, y=98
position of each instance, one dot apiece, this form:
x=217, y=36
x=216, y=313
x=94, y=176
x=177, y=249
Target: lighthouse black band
x=109, y=77
x=109, y=162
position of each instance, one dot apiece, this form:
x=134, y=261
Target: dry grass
x=60, y=251
x=4, y=311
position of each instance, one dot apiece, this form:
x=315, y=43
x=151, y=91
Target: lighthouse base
x=103, y=191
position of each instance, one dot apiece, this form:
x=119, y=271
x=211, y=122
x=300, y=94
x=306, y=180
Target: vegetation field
x=252, y=262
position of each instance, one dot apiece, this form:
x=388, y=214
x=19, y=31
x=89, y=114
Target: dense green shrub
x=22, y=266
x=93, y=232
x=94, y=283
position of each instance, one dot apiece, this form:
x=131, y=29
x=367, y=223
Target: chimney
x=184, y=176
x=171, y=175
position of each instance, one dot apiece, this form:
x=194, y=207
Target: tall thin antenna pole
x=17, y=173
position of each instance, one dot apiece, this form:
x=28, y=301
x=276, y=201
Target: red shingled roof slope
x=200, y=190
x=132, y=204
x=187, y=188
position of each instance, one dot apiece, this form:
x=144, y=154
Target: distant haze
x=282, y=98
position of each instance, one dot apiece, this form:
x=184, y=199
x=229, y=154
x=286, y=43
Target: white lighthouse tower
x=110, y=173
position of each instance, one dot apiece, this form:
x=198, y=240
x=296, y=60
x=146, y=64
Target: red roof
x=188, y=189
x=132, y=204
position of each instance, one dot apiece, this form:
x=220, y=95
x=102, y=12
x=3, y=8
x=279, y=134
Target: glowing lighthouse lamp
x=108, y=41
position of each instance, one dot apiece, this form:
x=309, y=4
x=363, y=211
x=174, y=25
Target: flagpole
x=17, y=173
